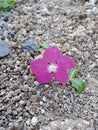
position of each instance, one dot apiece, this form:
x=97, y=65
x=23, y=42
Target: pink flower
x=52, y=65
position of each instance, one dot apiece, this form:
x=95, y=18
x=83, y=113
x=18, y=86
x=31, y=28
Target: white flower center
x=52, y=68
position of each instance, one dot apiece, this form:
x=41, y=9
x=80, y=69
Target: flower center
x=52, y=68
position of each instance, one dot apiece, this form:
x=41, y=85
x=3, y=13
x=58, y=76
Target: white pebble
x=25, y=77
x=41, y=102
x=92, y=2
x=17, y=62
x=36, y=83
x=95, y=10
x=26, y=10
x=44, y=98
x=42, y=111
x=34, y=121
x=28, y=122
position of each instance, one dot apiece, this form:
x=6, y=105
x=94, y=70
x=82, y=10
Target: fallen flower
x=52, y=65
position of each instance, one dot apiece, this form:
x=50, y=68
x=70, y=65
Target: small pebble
x=28, y=122
x=17, y=62
x=40, y=86
x=42, y=111
x=22, y=102
x=34, y=121
x=15, y=112
x=34, y=92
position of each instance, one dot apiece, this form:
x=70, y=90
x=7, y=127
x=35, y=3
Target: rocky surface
x=27, y=105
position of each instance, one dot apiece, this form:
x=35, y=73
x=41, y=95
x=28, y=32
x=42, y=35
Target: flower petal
x=44, y=78
x=39, y=66
x=52, y=54
x=40, y=69
x=67, y=62
x=61, y=76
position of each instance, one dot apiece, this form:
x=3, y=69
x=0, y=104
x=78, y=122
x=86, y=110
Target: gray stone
x=35, y=1
x=2, y=24
x=4, y=48
x=2, y=128
x=89, y=14
x=68, y=124
x=30, y=45
x=40, y=86
x=6, y=18
x=11, y=33
x=92, y=1
x=15, y=112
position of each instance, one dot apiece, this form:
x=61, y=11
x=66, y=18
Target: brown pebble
x=93, y=58
x=22, y=102
x=34, y=108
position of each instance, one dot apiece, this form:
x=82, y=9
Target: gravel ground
x=27, y=105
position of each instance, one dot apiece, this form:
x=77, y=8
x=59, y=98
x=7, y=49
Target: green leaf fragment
x=73, y=73
x=58, y=45
x=46, y=45
x=39, y=56
x=6, y=4
x=78, y=84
